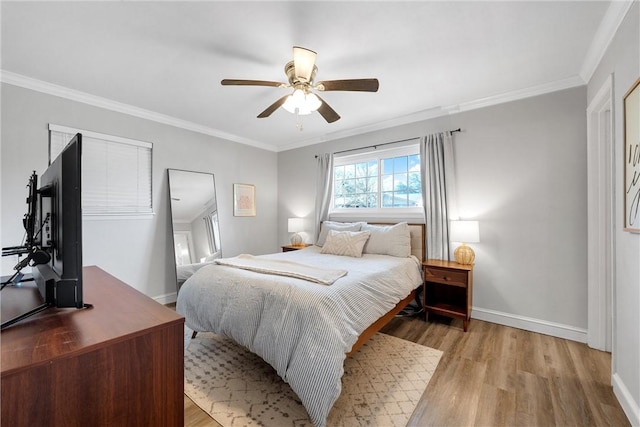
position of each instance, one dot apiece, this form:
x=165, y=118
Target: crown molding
x=516, y=95
x=108, y=104
x=432, y=113
x=606, y=31
x=381, y=125
x=96, y=101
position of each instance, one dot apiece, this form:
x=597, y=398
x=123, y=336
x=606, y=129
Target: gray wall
x=622, y=59
x=137, y=251
x=521, y=171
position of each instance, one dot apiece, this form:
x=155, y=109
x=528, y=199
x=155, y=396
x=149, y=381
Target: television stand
x=120, y=363
x=5, y=280
x=25, y=278
x=19, y=285
x=11, y=280
x=23, y=316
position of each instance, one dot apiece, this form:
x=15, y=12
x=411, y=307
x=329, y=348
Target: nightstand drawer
x=447, y=277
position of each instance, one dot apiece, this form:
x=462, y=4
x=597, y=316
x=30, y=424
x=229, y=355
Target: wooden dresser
x=120, y=363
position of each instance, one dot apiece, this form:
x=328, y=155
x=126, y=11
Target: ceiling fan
x=301, y=73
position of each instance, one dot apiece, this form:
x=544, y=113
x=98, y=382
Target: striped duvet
x=302, y=329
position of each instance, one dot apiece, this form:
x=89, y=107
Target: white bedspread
x=185, y=271
x=282, y=267
x=301, y=329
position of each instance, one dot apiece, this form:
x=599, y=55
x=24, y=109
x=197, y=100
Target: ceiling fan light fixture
x=313, y=102
x=301, y=73
x=304, y=61
x=302, y=103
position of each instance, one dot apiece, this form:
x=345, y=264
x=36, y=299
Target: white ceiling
x=165, y=60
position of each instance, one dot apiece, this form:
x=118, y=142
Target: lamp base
x=296, y=240
x=464, y=255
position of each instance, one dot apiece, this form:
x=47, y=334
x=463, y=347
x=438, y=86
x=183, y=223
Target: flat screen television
x=55, y=232
x=60, y=222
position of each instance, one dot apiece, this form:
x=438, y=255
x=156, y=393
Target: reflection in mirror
x=194, y=217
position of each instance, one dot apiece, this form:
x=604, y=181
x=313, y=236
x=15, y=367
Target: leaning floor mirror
x=194, y=217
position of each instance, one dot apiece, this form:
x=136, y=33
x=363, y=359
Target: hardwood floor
x=494, y=375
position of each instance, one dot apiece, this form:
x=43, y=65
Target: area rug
x=382, y=384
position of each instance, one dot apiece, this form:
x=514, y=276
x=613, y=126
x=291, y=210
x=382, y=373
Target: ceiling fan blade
x=231, y=82
x=360, y=85
x=273, y=107
x=304, y=60
x=327, y=112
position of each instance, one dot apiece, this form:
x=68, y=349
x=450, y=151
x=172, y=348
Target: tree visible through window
x=391, y=181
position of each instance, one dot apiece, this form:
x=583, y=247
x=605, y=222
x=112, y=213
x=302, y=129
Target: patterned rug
x=382, y=384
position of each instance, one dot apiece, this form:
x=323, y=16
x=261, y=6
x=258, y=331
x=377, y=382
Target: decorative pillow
x=394, y=240
x=347, y=243
x=338, y=226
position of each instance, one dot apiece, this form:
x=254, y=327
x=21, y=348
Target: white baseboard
x=629, y=406
x=530, y=324
x=167, y=298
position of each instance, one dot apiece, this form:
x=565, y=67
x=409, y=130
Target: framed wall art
x=244, y=200
x=632, y=159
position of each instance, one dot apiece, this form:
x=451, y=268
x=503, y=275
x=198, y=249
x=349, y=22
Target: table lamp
x=464, y=232
x=295, y=225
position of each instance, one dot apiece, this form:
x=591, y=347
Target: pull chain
x=298, y=120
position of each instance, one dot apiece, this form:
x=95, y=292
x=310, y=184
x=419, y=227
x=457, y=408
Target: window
x=378, y=181
x=212, y=226
x=116, y=172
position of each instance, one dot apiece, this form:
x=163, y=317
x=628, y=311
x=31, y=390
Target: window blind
x=116, y=171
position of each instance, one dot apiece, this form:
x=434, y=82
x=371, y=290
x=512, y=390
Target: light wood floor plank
x=196, y=417
x=496, y=407
x=533, y=401
x=594, y=370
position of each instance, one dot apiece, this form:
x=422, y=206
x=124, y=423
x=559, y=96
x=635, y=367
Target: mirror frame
x=208, y=202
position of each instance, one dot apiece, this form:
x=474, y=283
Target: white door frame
x=600, y=222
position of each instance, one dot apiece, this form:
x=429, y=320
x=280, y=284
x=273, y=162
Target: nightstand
x=288, y=248
x=448, y=289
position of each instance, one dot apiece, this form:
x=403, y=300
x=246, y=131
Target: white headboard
x=418, y=248
x=417, y=232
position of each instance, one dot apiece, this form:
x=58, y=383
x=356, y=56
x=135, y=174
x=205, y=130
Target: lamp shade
x=304, y=61
x=302, y=103
x=465, y=231
x=295, y=225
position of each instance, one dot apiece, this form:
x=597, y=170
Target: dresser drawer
x=446, y=276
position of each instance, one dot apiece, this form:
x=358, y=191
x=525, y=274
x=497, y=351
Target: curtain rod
x=384, y=143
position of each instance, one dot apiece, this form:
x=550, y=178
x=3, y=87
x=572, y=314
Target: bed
x=303, y=327
x=184, y=271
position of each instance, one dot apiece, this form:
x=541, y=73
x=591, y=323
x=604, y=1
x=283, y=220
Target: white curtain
x=436, y=158
x=324, y=180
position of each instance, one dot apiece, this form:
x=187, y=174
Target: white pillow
x=338, y=226
x=347, y=243
x=394, y=240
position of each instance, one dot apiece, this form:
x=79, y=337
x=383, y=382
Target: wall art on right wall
x=632, y=159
